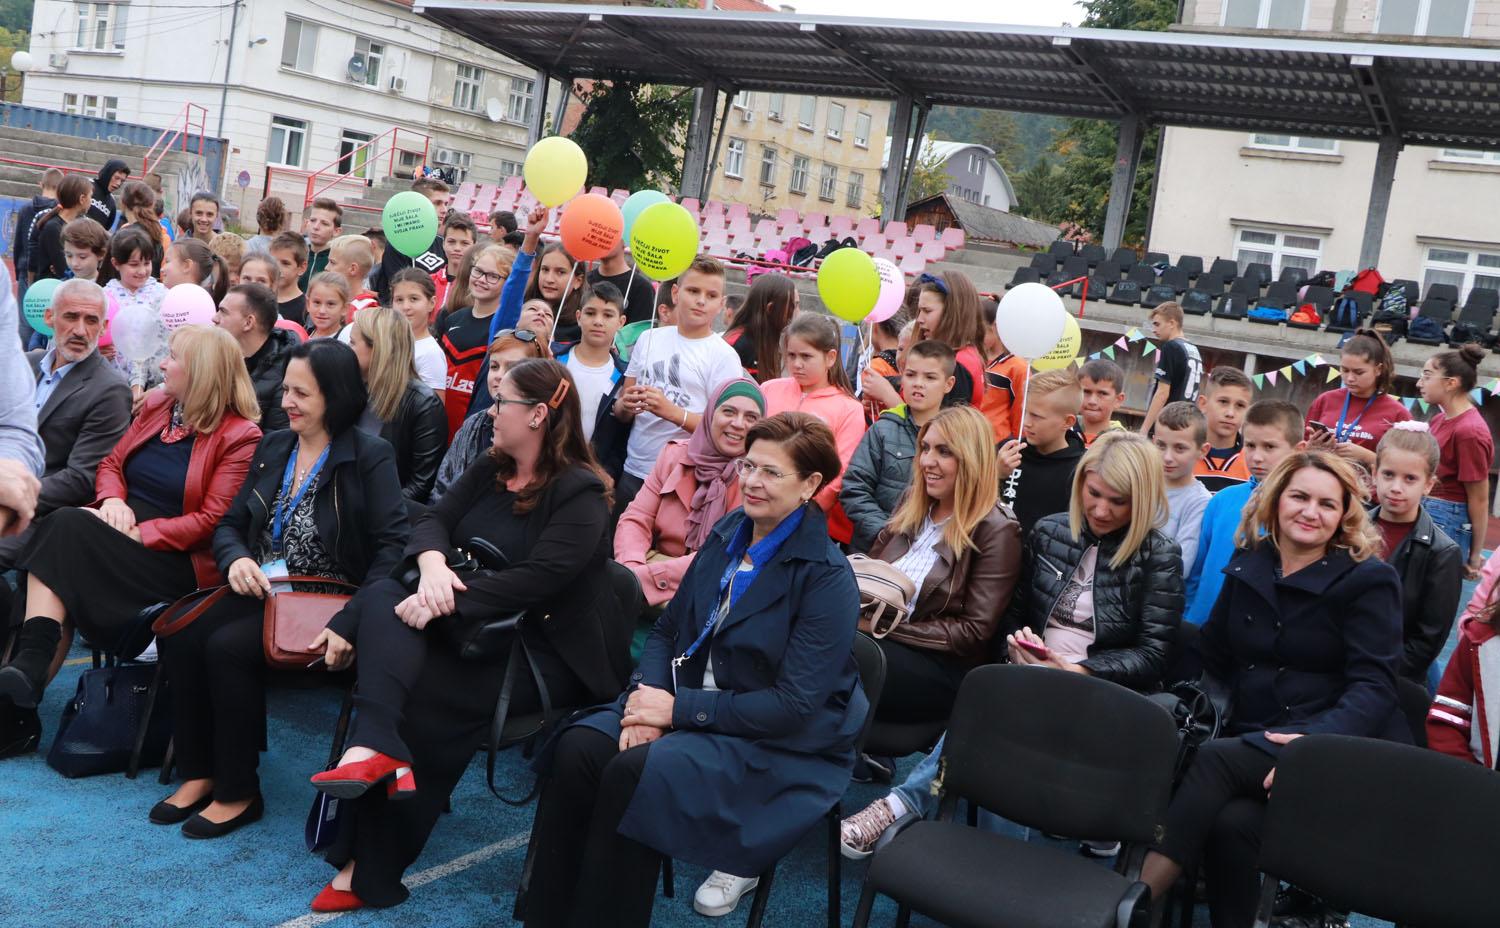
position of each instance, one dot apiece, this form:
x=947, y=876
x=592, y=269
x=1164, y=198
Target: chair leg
x=903, y=915
x=133, y=766
x=1187, y=888
x=762, y=896
x=835, y=868
x=165, y=776
x=866, y=903
x=668, y=878
x=1268, y=886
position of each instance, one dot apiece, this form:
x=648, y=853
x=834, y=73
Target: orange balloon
x=591, y=226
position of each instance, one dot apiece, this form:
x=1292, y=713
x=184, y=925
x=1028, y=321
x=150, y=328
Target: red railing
x=371, y=151
x=190, y=117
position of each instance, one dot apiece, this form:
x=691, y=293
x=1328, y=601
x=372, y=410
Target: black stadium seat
x=1197, y=302
x=1093, y=254
x=1296, y=276
x=1142, y=274
x=1061, y=248
x=1191, y=265
x=1157, y=294
x=1232, y=305
x=1025, y=275
x=1259, y=271
x=1043, y=263
x=1125, y=293
x=1176, y=278
x=1125, y=257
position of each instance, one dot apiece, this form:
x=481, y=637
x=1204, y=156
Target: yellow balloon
x=664, y=241
x=1066, y=349
x=555, y=170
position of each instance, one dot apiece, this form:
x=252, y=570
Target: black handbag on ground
x=98, y=727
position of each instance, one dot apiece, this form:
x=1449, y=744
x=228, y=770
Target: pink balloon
x=187, y=304
x=106, y=339
x=892, y=291
x=291, y=326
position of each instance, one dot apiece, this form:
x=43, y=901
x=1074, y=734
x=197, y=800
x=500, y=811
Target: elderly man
x=20, y=449
x=249, y=313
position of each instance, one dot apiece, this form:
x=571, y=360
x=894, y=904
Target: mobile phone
x=1040, y=650
x=1317, y=427
x=317, y=662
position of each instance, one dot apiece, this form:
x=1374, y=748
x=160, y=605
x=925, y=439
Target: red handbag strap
x=186, y=611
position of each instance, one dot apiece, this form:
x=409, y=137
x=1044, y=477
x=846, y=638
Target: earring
x=535, y=425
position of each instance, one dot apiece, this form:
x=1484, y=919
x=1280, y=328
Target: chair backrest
x=1176, y=278
x=1259, y=271
x=1026, y=275
x=871, y=663
x=1225, y=268
x=1283, y=290
x=1483, y=298
x=1249, y=285
x=1158, y=257
x=1075, y=266
x=1044, y=262
x=1093, y=254
x=1447, y=292
x=1191, y=265
x=1391, y=831
x=1063, y=752
x=1142, y=274
x=1319, y=296
x=1296, y=276
x=1060, y=248
x=1124, y=257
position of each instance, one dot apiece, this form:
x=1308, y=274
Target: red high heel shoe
x=351, y=780
x=336, y=900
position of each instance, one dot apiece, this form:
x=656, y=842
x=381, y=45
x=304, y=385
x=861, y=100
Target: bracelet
x=684, y=420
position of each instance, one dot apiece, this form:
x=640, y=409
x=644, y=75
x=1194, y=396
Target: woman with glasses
x=948, y=310
x=542, y=501
x=465, y=333
x=736, y=733
x=474, y=437
x=402, y=409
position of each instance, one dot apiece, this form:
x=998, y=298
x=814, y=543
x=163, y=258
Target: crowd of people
x=354, y=416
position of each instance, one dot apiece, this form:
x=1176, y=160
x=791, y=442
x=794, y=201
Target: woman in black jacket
x=540, y=498
x=403, y=410
x=1305, y=637
x=321, y=499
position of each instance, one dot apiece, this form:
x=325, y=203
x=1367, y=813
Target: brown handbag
x=292, y=619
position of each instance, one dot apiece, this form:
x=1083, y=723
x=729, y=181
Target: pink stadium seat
x=765, y=229
x=715, y=242
x=868, y=229
x=923, y=233
x=739, y=223
x=743, y=241
x=786, y=217
x=884, y=251
x=771, y=241
x=953, y=238
x=691, y=205
x=513, y=183
x=739, y=209
x=933, y=251
x=913, y=264
x=712, y=221
x=840, y=226
x=600, y=191
x=714, y=206
x=816, y=222
x=465, y=192
x=903, y=246
x=484, y=195
x=619, y=196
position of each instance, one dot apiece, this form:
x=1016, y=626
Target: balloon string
x=557, y=316
x=1025, y=395
x=630, y=281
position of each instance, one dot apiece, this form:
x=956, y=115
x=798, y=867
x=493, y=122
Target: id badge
x=277, y=571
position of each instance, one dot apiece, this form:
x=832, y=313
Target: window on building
x=299, y=44
x=835, y=120
x=807, y=112
x=1463, y=267
x=510, y=168
x=768, y=165
x=1473, y=156
x=799, y=174
x=1278, y=249
x=288, y=141
x=522, y=100
x=828, y=183
x=371, y=52
x=468, y=85
x=1294, y=143
x=101, y=26
x=776, y=107
x=745, y=100
x=1423, y=17
x=862, y=130
x=1265, y=14
x=734, y=158
x=90, y=105
x=856, y=197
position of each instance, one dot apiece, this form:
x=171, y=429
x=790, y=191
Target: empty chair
x=738, y=223
x=619, y=195
x=599, y=191
x=1157, y=294
x=738, y=209
x=1448, y=293
x=933, y=251
x=1176, y=278
x=1197, y=302
x=838, y=226
x=1247, y=286
x=1142, y=274
x=1259, y=271
x=1075, y=266
x=953, y=238
x=1280, y=295
x=867, y=229
x=512, y=184
x=1108, y=271
x=741, y=240
x=923, y=232
x=1098, y=287
x=913, y=264
x=1296, y=276
x=1222, y=271
x=1061, y=248
x=1157, y=257
x=903, y=246
x=1476, y=317
x=1093, y=254
x=1191, y=265
x=1125, y=293
x=715, y=241
x=485, y=196
x=1232, y=305
x=1044, y=263
x=711, y=222
x=765, y=229
x=786, y=217
x=1024, y=275
x=1124, y=257
x=690, y=204
x=818, y=221
x=1319, y=296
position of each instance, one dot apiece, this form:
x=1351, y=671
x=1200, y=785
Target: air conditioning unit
x=398, y=85
x=445, y=156
x=747, y=116
x=57, y=60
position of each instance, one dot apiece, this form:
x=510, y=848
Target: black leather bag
x=98, y=727
x=1200, y=710
x=474, y=640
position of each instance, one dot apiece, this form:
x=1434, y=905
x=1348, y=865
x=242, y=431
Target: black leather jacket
x=419, y=436
x=1431, y=566
x=267, y=371
x=1137, y=608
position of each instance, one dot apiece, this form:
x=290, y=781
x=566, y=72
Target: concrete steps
x=66, y=151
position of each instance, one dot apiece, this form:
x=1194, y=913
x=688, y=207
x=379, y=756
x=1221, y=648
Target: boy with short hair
x=502, y=225
x=459, y=234
x=204, y=210
x=352, y=256
x=666, y=307
x=672, y=370
x=1273, y=430
x=393, y=262
x=1181, y=436
x=290, y=253
x=40, y=205
x=1225, y=398
x=84, y=245
x=599, y=374
x=324, y=222
x=1103, y=385
x=1178, y=364
x=1004, y=380
x=880, y=471
x=1036, y=469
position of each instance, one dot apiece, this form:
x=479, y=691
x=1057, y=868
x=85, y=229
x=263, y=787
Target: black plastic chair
x=1448, y=293
x=1066, y=770
x=1098, y=287
x=1224, y=268
x=1125, y=257
x=1191, y=265
x=1296, y=276
x=1143, y=274
x=1109, y=271
x=1176, y=278
x=1125, y=293
x=1232, y=305
x=1061, y=248
x=1391, y=831
x=1076, y=266
x=1024, y=275
x=1247, y=286
x=1093, y=254
x=1412, y=289
x=1157, y=294
x=1157, y=257
x=1477, y=317
x=1437, y=308
x=1259, y=271
x=1044, y=263
x=1197, y=302
x=1280, y=295
x=1319, y=296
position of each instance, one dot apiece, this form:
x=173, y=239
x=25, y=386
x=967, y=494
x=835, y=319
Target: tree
x=12, y=41
x=1039, y=191
x=15, y=15
x=929, y=176
x=999, y=130
x=633, y=134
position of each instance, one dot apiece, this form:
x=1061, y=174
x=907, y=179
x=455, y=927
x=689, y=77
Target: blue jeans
x=916, y=794
x=1453, y=519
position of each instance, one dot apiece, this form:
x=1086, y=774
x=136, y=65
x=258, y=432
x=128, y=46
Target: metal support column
x=895, y=166
x=712, y=164
x=700, y=138
x=539, y=118
x=1380, y=200
x=918, y=143
x=565, y=95
x=1122, y=184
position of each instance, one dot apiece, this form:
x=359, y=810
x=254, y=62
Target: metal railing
x=190, y=117
x=355, y=164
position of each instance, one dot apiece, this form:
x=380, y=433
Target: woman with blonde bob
x=1306, y=639
x=158, y=496
x=403, y=410
x=1100, y=593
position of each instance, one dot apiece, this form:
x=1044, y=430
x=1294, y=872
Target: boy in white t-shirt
x=599, y=374
x=672, y=371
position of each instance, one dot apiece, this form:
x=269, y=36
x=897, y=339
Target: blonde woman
x=158, y=496
x=961, y=548
x=1306, y=637
x=1100, y=593
x=403, y=410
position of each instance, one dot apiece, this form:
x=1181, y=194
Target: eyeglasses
x=938, y=282
x=748, y=468
x=520, y=335
x=502, y=401
x=477, y=274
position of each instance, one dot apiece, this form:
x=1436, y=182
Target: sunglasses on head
x=935, y=281
x=520, y=335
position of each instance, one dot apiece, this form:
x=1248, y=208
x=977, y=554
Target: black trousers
x=418, y=701
x=218, y=673
x=626, y=489
x=1216, y=817
x=920, y=685
x=585, y=874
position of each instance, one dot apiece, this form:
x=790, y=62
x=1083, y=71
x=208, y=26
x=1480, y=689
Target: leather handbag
x=884, y=592
x=98, y=728
x=475, y=640
x=293, y=619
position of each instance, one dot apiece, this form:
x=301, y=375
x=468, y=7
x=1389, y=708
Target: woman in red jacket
x=159, y=494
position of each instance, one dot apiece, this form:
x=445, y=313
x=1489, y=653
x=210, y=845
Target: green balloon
x=409, y=222
x=38, y=298
x=849, y=284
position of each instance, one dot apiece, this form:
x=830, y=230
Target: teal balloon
x=38, y=298
x=637, y=204
x=409, y=222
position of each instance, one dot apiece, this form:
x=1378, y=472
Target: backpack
x=1267, y=314
x=1321, y=279
x=1306, y=314
x=1468, y=332
x=1345, y=314
x=1391, y=325
x=1368, y=281
x=1423, y=327
x=1393, y=298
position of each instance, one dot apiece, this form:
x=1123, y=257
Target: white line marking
x=453, y=866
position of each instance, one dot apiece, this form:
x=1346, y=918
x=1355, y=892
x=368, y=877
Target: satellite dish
x=357, y=68
x=494, y=109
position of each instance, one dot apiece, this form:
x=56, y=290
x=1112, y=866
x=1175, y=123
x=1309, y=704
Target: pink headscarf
x=712, y=467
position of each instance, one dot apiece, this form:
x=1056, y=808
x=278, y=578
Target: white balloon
x=136, y=331
x=1030, y=320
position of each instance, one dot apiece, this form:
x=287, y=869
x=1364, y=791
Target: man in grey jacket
x=21, y=452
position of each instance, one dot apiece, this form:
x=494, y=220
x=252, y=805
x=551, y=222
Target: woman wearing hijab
x=692, y=486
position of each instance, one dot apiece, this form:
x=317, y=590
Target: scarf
x=176, y=430
x=713, y=469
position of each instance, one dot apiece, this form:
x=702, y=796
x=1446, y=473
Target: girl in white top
x=414, y=296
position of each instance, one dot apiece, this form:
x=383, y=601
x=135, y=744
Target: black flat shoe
x=200, y=827
x=164, y=813
x=17, y=688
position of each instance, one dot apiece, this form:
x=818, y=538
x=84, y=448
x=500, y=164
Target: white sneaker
x=721, y=892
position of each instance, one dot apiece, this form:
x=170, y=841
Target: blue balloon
x=637, y=204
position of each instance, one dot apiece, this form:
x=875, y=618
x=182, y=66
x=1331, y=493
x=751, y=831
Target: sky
x=1008, y=12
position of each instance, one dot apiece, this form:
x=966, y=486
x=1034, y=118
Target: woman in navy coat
x=1306, y=639
x=736, y=733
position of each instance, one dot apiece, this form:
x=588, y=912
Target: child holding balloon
x=554, y=276
x=130, y=253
